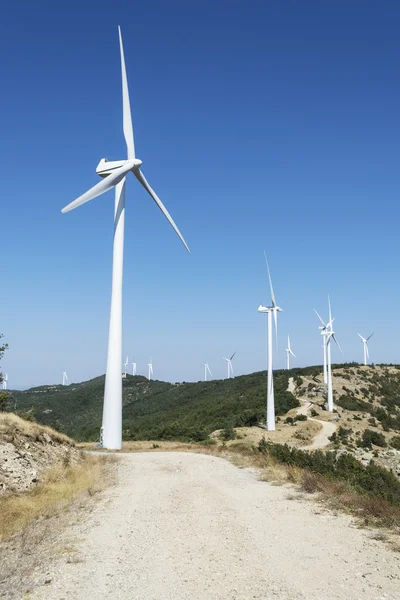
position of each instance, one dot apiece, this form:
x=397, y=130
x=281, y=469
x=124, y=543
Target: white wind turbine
x=125, y=367
x=324, y=329
x=229, y=363
x=365, y=343
x=329, y=335
x=134, y=367
x=206, y=370
x=288, y=353
x=64, y=378
x=5, y=381
x=270, y=310
x=150, y=365
x=114, y=176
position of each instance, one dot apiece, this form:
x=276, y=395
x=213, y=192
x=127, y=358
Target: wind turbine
x=324, y=329
x=125, y=367
x=64, y=378
x=364, y=341
x=288, y=353
x=150, y=365
x=134, y=367
x=329, y=335
x=206, y=369
x=270, y=310
x=5, y=381
x=229, y=363
x=114, y=175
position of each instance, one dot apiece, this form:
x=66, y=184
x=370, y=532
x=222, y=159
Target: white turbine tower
x=206, y=370
x=150, y=365
x=229, y=363
x=288, y=353
x=5, y=381
x=365, y=343
x=329, y=334
x=126, y=368
x=324, y=329
x=270, y=310
x=64, y=378
x=134, y=367
x=114, y=175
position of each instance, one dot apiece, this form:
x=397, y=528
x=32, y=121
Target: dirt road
x=180, y=526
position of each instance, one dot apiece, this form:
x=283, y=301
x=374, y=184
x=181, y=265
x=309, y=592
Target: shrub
x=300, y=418
x=228, y=433
x=314, y=413
x=395, y=442
x=370, y=437
x=289, y=420
x=350, y=403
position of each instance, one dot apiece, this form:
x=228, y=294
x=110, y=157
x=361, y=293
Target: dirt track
x=180, y=526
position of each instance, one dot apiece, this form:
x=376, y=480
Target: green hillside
x=157, y=409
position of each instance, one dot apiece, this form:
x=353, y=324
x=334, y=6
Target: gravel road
x=181, y=526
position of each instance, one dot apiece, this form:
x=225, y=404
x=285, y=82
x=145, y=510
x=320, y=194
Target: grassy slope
x=156, y=409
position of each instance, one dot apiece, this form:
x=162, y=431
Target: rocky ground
x=28, y=450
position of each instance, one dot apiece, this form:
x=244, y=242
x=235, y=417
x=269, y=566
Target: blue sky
x=261, y=125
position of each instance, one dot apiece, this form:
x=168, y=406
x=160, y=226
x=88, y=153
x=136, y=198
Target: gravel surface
x=181, y=526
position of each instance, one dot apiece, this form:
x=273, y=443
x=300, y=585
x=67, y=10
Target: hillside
x=157, y=409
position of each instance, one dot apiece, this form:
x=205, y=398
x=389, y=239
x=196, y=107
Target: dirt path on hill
x=179, y=526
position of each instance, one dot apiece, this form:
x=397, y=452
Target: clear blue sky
x=260, y=124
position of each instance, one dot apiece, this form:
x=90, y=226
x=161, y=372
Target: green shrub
x=314, y=413
x=289, y=420
x=395, y=442
x=228, y=433
x=351, y=403
x=300, y=418
x=370, y=437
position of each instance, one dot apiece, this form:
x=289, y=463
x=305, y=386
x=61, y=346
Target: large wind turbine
x=114, y=175
x=324, y=329
x=288, y=353
x=270, y=310
x=364, y=341
x=329, y=335
x=64, y=378
x=150, y=365
x=5, y=381
x=206, y=370
x=229, y=363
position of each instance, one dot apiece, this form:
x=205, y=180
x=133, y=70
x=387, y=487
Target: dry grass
x=60, y=486
x=11, y=425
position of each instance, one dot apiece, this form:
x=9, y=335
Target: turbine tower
x=150, y=365
x=229, y=363
x=365, y=342
x=270, y=310
x=134, y=367
x=329, y=335
x=206, y=369
x=288, y=353
x=5, y=381
x=114, y=176
x=64, y=378
x=126, y=368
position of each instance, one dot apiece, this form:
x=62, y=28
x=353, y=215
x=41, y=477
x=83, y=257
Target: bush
x=300, y=418
x=395, y=442
x=350, y=403
x=314, y=413
x=370, y=437
x=228, y=433
x=289, y=420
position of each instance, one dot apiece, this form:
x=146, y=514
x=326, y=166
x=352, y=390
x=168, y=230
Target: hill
x=157, y=409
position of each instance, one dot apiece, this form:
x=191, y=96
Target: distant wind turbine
x=134, y=367
x=150, y=365
x=324, y=328
x=125, y=368
x=288, y=353
x=206, y=370
x=5, y=381
x=114, y=176
x=327, y=331
x=230, y=367
x=365, y=342
x=270, y=310
x=64, y=378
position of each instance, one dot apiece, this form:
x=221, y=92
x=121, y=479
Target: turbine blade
x=336, y=342
x=370, y=336
x=362, y=338
x=126, y=107
x=232, y=355
x=366, y=347
x=276, y=327
x=320, y=318
x=139, y=175
x=330, y=312
x=292, y=353
x=270, y=281
x=100, y=188
x=231, y=366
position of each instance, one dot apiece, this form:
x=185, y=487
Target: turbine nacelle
x=267, y=309
x=106, y=167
